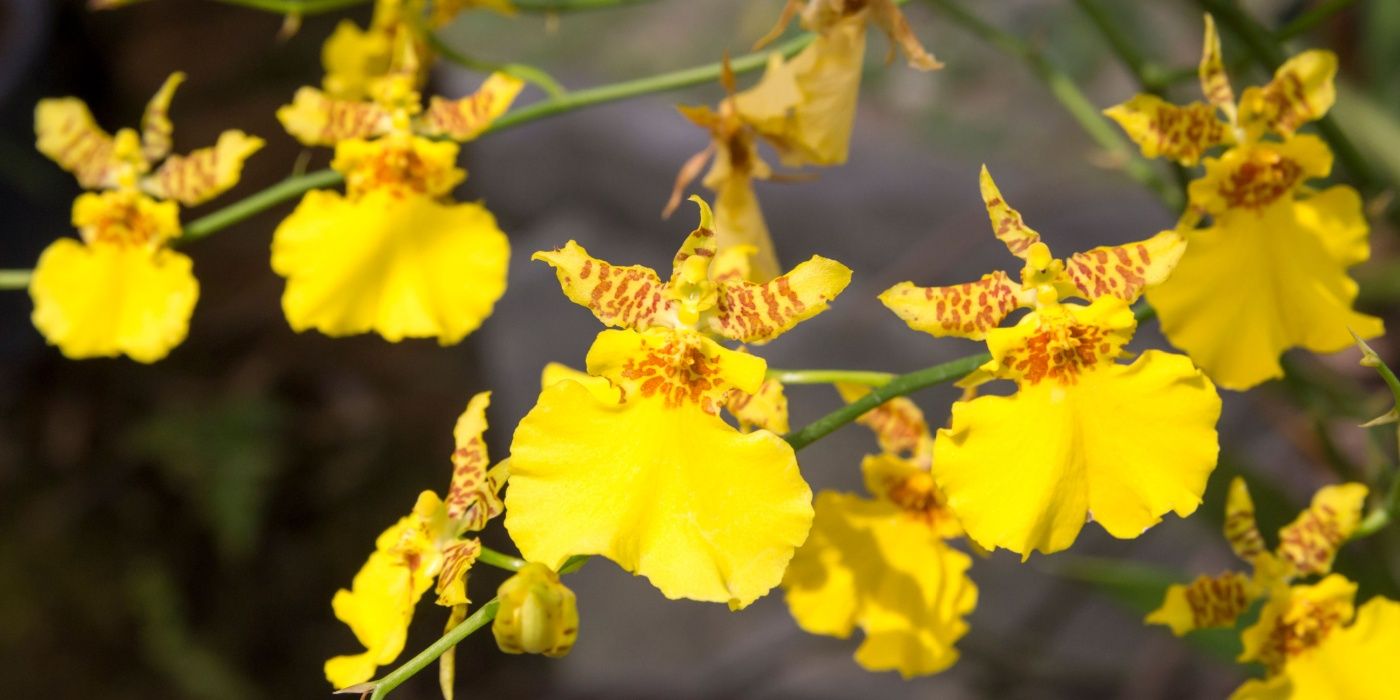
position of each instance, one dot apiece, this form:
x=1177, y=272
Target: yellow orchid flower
x=1274, y=246
x=1296, y=620
x=428, y=545
x=538, y=613
x=122, y=290
x=807, y=106
x=395, y=254
x=882, y=563
x=1083, y=436
x=650, y=476
x=1357, y=661
x=1306, y=547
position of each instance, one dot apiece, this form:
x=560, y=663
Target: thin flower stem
x=491, y=557
x=295, y=7
x=1264, y=44
x=898, y=386
x=293, y=187
x=255, y=203
x=15, y=279
x=410, y=668
x=1150, y=76
x=1306, y=21
x=1079, y=106
x=529, y=74
x=830, y=376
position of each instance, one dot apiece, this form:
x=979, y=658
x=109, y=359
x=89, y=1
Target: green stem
x=529, y=74
x=1151, y=77
x=642, y=86
x=1306, y=21
x=297, y=7
x=410, y=668
x=295, y=186
x=1079, y=106
x=1265, y=47
x=500, y=560
x=255, y=203
x=898, y=386
x=15, y=279
x=572, y=5
x=830, y=376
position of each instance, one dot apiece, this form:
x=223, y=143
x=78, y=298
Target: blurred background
x=177, y=530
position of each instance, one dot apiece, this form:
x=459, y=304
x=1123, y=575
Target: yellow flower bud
x=538, y=614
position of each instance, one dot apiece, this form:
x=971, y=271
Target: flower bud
x=538, y=614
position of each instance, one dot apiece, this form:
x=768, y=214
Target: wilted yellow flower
x=1083, y=436
x=1277, y=248
x=650, y=476
x=538, y=613
x=429, y=544
x=1296, y=619
x=807, y=106
x=394, y=254
x=1357, y=661
x=882, y=563
x=122, y=291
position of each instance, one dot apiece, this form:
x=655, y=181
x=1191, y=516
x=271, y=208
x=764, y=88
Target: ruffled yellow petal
x=967, y=310
x=401, y=267
x=353, y=59
x=317, y=119
x=1302, y=90
x=156, y=129
x=379, y=604
x=1257, y=283
x=674, y=367
x=1165, y=130
x=625, y=297
x=866, y=565
x=1311, y=541
x=701, y=510
x=69, y=136
x=1125, y=271
x=1297, y=619
x=204, y=173
x=1209, y=601
x=1123, y=444
x=605, y=390
x=106, y=300
x=758, y=313
x=1353, y=663
x=765, y=409
x=464, y=119
x=538, y=613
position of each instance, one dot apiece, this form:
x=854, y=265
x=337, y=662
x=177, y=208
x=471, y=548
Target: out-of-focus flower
x=646, y=472
x=882, y=563
x=1275, y=247
x=1083, y=436
x=538, y=613
x=395, y=254
x=1296, y=619
x=430, y=544
x=807, y=106
x=122, y=290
